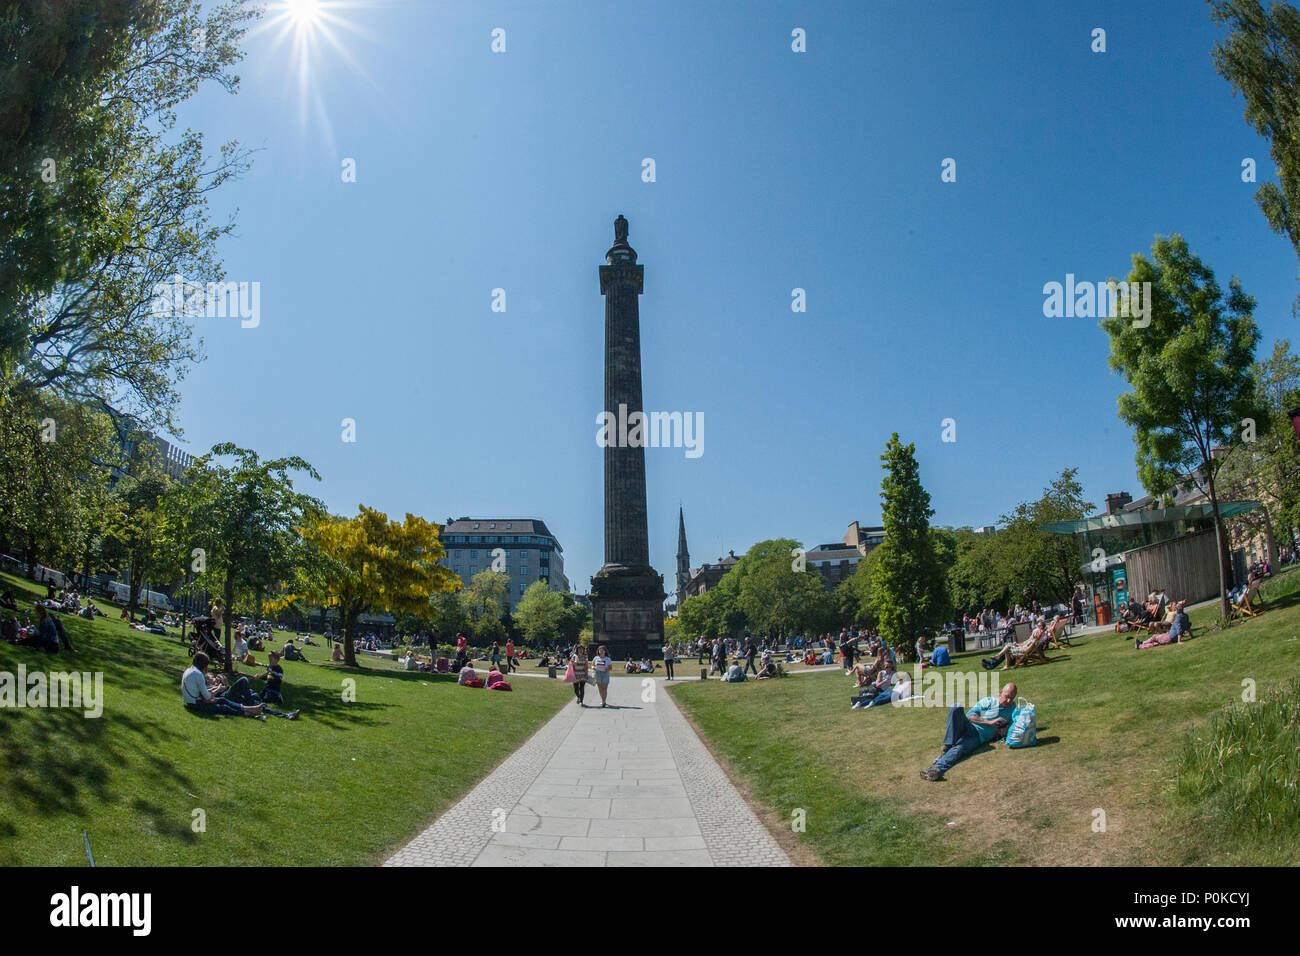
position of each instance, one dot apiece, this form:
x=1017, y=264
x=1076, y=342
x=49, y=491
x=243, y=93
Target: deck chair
x=1056, y=634
x=1036, y=652
x=1244, y=606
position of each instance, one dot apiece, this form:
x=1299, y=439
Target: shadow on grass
x=64, y=757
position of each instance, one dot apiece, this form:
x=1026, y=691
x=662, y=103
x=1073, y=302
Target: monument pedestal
x=627, y=606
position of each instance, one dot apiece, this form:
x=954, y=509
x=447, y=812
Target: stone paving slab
x=626, y=785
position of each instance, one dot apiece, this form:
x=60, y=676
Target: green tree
x=448, y=615
x=540, y=614
x=484, y=604
x=1036, y=565
x=695, y=616
x=1189, y=366
x=1260, y=57
x=142, y=529
x=101, y=199
x=976, y=580
x=54, y=470
x=245, y=516
x=907, y=585
x=1268, y=469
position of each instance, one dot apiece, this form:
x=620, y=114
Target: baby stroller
x=206, y=640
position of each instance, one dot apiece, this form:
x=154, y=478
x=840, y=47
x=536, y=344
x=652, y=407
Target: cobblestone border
x=732, y=833
x=458, y=836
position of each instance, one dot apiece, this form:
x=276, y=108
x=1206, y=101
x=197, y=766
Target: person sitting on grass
x=766, y=669
x=43, y=636
x=734, y=674
x=866, y=674
x=901, y=690
x=203, y=694
x=968, y=731
x=1181, y=625
x=468, y=677
x=291, y=653
x=273, y=691
x=879, y=689
x=239, y=647
x=810, y=658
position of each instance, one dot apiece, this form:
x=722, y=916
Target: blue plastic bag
x=1023, y=730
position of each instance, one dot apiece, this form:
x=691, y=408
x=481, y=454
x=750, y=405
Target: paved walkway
x=629, y=785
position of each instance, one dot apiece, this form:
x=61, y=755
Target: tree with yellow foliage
x=369, y=563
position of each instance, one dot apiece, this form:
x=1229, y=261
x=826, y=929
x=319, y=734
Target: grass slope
x=1113, y=723
x=344, y=785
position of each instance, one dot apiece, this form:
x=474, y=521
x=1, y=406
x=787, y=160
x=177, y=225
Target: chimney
x=1115, y=503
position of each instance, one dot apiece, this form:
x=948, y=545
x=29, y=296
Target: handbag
x=568, y=674
x=1023, y=729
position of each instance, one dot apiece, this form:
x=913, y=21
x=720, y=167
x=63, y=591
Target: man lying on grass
x=967, y=732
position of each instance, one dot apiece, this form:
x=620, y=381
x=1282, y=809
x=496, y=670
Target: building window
x=473, y=571
x=458, y=554
x=473, y=554
x=475, y=525
x=493, y=526
x=508, y=525
x=523, y=555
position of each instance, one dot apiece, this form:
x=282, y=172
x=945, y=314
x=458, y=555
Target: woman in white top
x=669, y=657
x=602, y=665
x=242, y=654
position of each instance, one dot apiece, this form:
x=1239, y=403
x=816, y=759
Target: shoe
x=856, y=705
x=932, y=773
x=294, y=715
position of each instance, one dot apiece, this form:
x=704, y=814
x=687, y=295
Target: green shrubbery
x=1241, y=770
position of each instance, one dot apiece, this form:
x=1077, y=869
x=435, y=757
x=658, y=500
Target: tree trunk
x=230, y=613
x=1270, y=541
x=349, y=632
x=131, y=588
x=1218, y=539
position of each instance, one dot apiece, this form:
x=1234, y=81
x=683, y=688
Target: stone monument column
x=627, y=594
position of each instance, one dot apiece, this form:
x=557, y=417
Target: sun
x=303, y=12
x=314, y=32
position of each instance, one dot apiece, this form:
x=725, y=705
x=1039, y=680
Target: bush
x=1240, y=772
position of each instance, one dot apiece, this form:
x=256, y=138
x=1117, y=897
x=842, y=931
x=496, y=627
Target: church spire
x=683, y=558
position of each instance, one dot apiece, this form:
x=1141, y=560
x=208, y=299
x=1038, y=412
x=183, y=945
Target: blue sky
x=774, y=170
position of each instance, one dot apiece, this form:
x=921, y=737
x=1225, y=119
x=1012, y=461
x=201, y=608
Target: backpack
x=1023, y=729
x=500, y=685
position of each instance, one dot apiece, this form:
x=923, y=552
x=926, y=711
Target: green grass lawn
x=344, y=785
x=1113, y=725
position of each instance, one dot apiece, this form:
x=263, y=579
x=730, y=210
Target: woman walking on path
x=603, y=666
x=669, y=656
x=578, y=669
